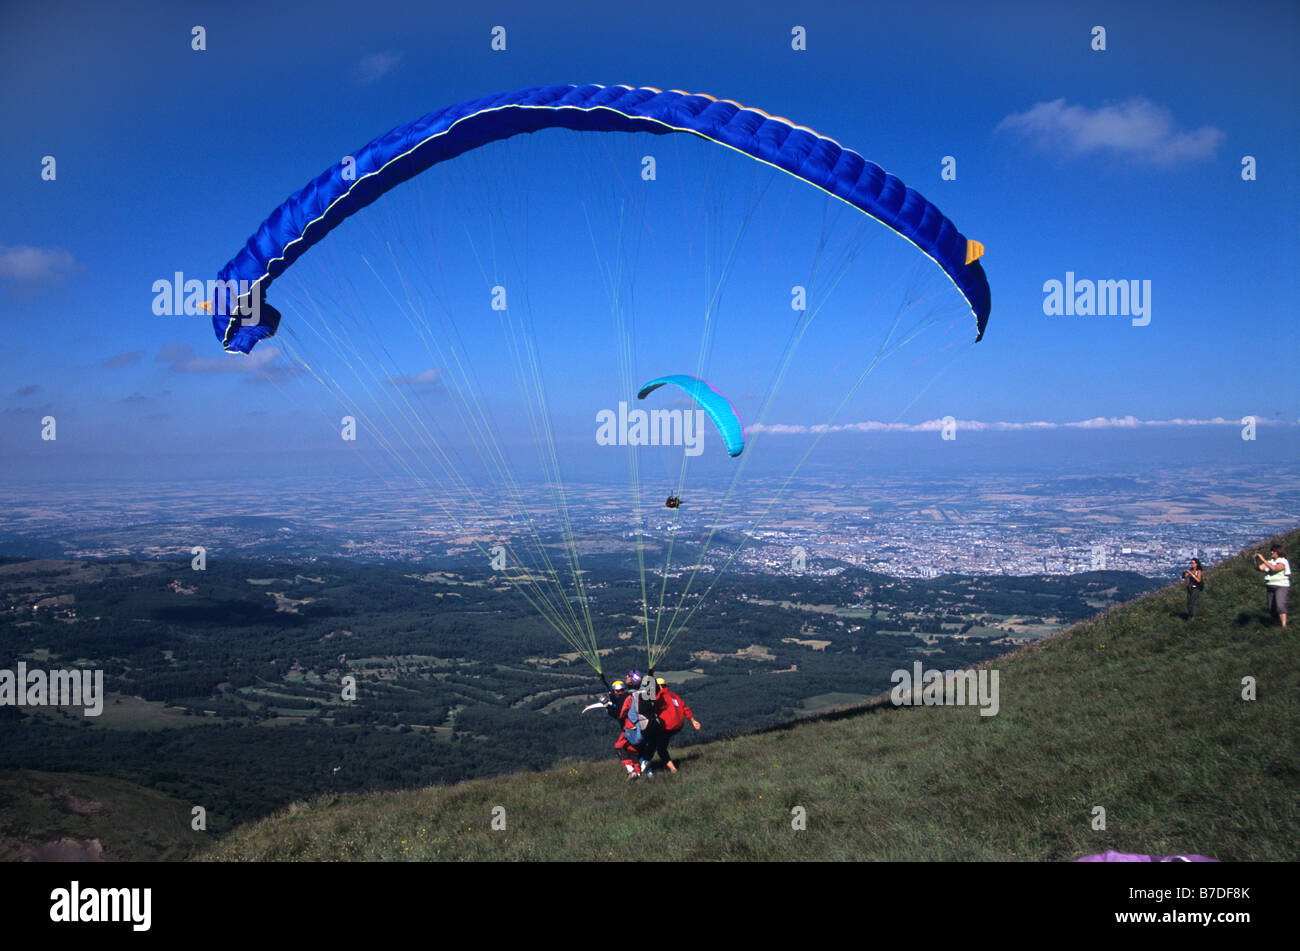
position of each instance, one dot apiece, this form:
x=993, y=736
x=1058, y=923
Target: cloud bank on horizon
x=975, y=425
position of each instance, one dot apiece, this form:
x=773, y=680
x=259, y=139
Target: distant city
x=905, y=527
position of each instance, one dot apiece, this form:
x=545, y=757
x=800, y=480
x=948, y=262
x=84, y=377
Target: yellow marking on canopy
x=974, y=251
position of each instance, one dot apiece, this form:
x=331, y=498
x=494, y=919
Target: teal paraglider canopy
x=716, y=406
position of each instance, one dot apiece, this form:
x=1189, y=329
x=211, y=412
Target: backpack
x=671, y=715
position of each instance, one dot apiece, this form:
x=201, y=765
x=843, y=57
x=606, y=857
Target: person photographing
x=1277, y=580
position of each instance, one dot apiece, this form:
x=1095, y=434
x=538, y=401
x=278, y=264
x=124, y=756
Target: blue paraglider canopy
x=308, y=215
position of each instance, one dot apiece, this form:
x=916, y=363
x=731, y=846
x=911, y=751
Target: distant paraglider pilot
x=673, y=502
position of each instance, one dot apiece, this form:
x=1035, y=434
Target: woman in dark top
x=1195, y=579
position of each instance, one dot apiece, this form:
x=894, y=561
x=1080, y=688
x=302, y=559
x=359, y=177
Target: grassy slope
x=1136, y=711
x=131, y=823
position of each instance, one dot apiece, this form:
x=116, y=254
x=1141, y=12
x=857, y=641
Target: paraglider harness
x=633, y=734
x=673, y=502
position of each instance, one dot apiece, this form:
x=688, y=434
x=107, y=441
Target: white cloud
x=262, y=364
x=30, y=265
x=423, y=378
x=975, y=425
x=376, y=66
x=122, y=359
x=1137, y=128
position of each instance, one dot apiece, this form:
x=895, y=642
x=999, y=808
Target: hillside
x=1137, y=711
x=71, y=817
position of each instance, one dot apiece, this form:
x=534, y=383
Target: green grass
x=825, y=701
x=1136, y=711
x=122, y=712
x=129, y=822
x=676, y=677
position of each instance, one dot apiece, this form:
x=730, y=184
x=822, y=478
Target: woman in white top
x=1277, y=580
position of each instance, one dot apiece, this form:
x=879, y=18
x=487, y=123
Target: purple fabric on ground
x=1113, y=856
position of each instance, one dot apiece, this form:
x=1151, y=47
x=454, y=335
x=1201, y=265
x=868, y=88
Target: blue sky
x=1122, y=164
